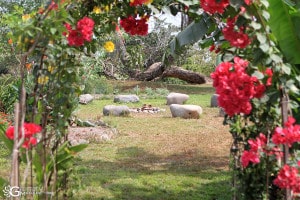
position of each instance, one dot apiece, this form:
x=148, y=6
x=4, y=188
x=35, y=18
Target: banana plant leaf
x=285, y=25
x=191, y=34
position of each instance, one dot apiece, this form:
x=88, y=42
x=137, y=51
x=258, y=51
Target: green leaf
x=258, y=75
x=193, y=33
x=53, y=31
x=291, y=85
x=276, y=58
x=8, y=143
x=78, y=148
x=286, y=69
x=261, y=37
x=189, y=3
x=283, y=27
x=3, y=183
x=256, y=25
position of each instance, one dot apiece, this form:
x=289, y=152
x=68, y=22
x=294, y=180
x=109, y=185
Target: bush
x=97, y=85
x=8, y=93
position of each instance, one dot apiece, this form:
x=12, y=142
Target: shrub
x=97, y=85
x=8, y=93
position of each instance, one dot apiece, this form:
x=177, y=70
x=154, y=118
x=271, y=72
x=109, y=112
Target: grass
x=156, y=156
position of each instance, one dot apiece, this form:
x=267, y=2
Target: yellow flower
x=26, y=17
x=107, y=8
x=43, y=79
x=96, y=10
x=51, y=69
x=109, y=46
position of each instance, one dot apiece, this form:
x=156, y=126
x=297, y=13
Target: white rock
x=85, y=98
x=126, y=98
x=186, y=111
x=116, y=110
x=177, y=98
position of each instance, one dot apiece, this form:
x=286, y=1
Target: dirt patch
x=84, y=135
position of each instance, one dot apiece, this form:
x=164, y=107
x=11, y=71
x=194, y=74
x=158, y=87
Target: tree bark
x=186, y=75
x=154, y=71
x=157, y=70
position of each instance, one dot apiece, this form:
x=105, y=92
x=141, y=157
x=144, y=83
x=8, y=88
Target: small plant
x=149, y=91
x=162, y=91
x=136, y=90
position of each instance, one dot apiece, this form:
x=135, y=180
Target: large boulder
x=85, y=98
x=126, y=98
x=186, y=111
x=116, y=110
x=177, y=98
x=214, y=100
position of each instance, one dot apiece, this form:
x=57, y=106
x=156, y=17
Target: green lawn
x=156, y=156
x=153, y=156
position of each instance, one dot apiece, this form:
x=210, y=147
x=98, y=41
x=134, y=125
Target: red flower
x=214, y=6
x=212, y=48
x=287, y=135
x=235, y=87
x=287, y=178
x=139, y=2
x=53, y=6
x=248, y=2
x=83, y=32
x=135, y=26
x=29, y=141
x=10, y=132
x=75, y=38
x=249, y=156
x=85, y=26
x=258, y=143
x=29, y=130
x=269, y=74
x=236, y=38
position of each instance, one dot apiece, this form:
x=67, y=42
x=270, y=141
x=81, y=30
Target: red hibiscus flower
x=30, y=129
x=214, y=6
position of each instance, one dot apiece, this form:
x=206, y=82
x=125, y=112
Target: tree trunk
x=154, y=71
x=185, y=75
x=157, y=70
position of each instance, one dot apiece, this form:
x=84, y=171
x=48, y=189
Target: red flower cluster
x=236, y=38
x=83, y=32
x=288, y=179
x=248, y=2
x=29, y=130
x=269, y=74
x=139, y=2
x=249, y=156
x=135, y=26
x=235, y=87
x=214, y=6
x=257, y=146
x=287, y=135
x=214, y=48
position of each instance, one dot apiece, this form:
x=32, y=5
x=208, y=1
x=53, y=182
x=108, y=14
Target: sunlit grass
x=156, y=156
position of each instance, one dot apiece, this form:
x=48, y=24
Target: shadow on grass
x=138, y=175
